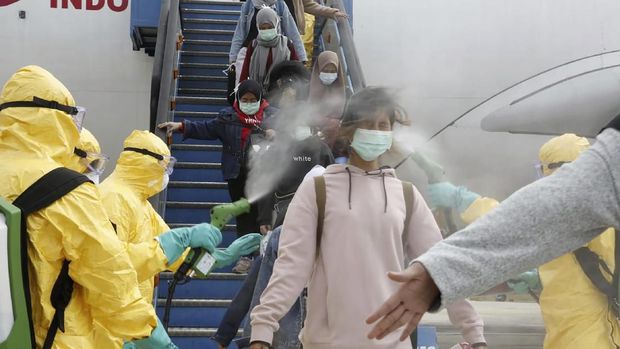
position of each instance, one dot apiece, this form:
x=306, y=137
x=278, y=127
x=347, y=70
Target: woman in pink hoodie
x=364, y=237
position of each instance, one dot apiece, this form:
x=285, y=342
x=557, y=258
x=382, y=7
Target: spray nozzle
x=221, y=214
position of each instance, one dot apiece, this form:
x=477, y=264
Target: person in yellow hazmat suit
x=39, y=131
x=576, y=313
x=141, y=172
x=88, y=158
x=35, y=138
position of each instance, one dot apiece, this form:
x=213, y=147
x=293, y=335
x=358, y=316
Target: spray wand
x=434, y=174
x=199, y=262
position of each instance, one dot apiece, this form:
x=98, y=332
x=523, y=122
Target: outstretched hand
x=407, y=306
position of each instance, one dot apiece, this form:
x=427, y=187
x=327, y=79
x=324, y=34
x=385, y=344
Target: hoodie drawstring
x=385, y=198
x=349, y=172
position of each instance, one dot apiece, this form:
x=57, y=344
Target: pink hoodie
x=362, y=240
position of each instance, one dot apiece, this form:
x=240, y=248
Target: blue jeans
x=287, y=336
x=239, y=307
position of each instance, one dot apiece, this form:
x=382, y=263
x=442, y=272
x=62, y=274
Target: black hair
x=368, y=103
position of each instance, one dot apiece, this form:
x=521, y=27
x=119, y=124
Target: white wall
x=91, y=53
x=449, y=55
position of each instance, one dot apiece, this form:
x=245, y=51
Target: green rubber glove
x=446, y=194
x=525, y=282
x=159, y=339
x=240, y=247
x=175, y=241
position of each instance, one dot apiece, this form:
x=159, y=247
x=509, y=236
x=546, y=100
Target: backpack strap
x=616, y=279
x=593, y=267
x=409, y=197
x=42, y=193
x=321, y=198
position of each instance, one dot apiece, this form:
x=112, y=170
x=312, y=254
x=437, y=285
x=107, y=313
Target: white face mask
x=267, y=34
x=93, y=176
x=249, y=108
x=164, y=183
x=328, y=78
x=302, y=132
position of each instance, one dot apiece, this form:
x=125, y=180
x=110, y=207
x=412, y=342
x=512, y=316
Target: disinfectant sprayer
x=199, y=262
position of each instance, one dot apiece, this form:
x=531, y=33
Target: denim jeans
x=239, y=307
x=287, y=336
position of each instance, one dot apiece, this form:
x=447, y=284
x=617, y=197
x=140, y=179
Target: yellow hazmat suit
x=34, y=141
x=576, y=314
x=87, y=143
x=125, y=196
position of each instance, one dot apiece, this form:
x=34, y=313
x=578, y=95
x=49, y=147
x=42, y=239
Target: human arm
x=241, y=32
x=292, y=270
x=316, y=9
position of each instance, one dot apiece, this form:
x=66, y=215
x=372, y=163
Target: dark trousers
x=239, y=307
x=248, y=222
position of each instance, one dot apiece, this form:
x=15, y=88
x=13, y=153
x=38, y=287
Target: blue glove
x=159, y=339
x=240, y=247
x=525, y=282
x=446, y=194
x=175, y=241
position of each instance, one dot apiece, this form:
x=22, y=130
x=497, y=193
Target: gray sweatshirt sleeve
x=538, y=223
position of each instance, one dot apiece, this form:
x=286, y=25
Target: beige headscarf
x=335, y=93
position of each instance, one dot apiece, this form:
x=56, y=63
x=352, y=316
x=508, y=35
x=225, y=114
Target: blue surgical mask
x=267, y=34
x=328, y=78
x=370, y=144
x=249, y=108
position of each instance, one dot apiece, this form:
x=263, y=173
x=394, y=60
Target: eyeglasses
x=552, y=166
x=77, y=113
x=95, y=162
x=165, y=161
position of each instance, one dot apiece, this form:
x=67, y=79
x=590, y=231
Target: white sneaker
x=243, y=265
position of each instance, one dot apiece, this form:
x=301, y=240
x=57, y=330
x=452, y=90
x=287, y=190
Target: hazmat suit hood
x=561, y=149
x=42, y=131
x=87, y=143
x=142, y=173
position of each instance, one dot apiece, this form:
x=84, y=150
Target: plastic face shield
x=165, y=161
x=77, y=113
x=551, y=167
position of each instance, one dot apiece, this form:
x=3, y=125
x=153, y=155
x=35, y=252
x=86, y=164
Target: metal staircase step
x=198, y=165
x=203, y=53
x=198, y=185
x=212, y=303
x=202, y=78
x=211, y=12
x=204, y=65
x=195, y=332
x=195, y=147
x=201, y=100
x=197, y=42
x=208, y=34
x=231, y=22
x=207, y=92
x=213, y=2
x=196, y=114
x=213, y=276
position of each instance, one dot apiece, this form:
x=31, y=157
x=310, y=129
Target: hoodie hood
x=40, y=131
x=143, y=174
x=351, y=171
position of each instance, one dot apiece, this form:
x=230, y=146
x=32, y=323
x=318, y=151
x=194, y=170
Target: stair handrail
x=346, y=44
x=165, y=62
x=164, y=78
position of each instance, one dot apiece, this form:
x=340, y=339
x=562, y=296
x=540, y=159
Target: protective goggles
x=95, y=162
x=540, y=167
x=165, y=161
x=77, y=113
